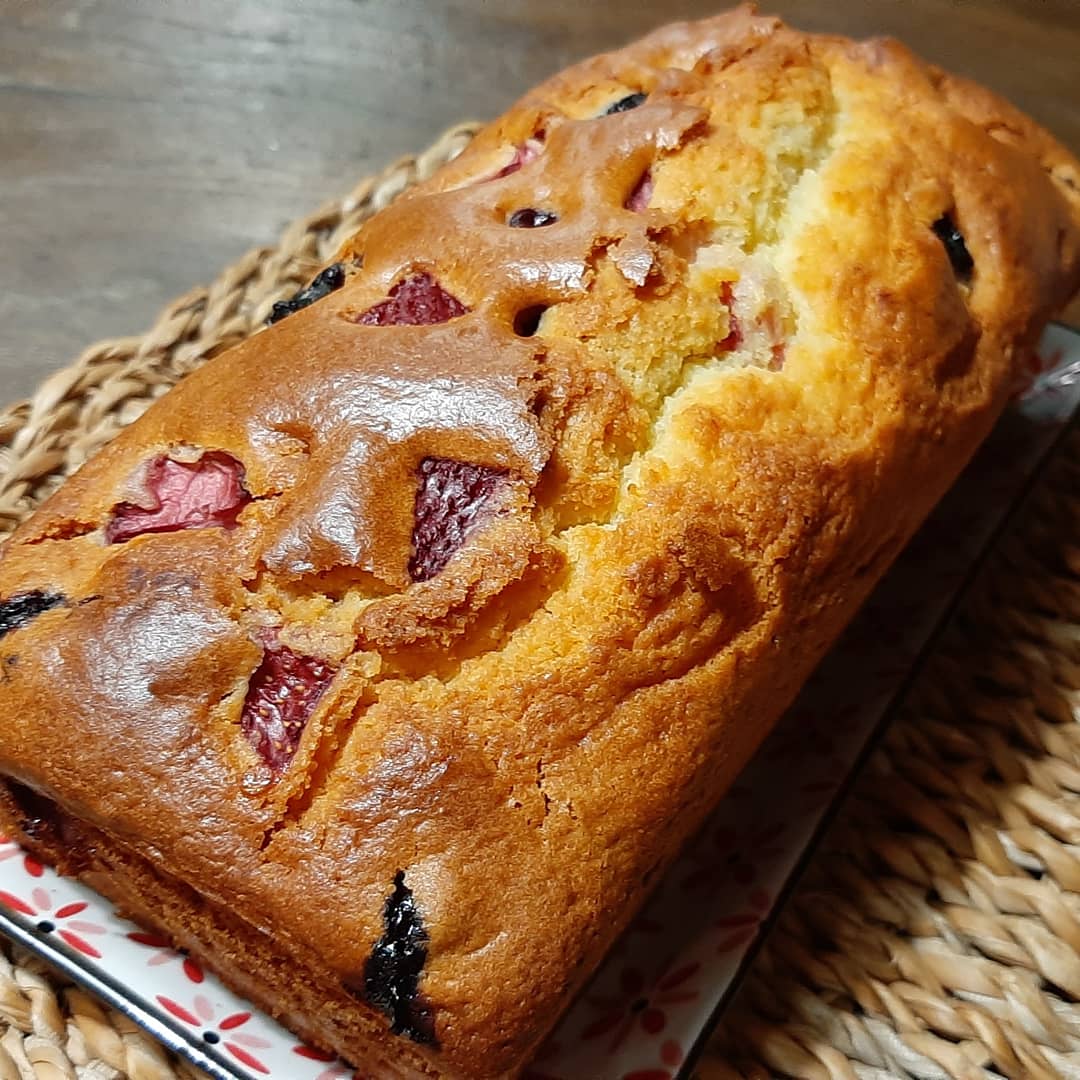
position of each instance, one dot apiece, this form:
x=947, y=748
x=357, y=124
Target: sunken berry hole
x=952, y=239
x=527, y=321
x=528, y=218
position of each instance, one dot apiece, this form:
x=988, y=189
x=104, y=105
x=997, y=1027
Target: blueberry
x=18, y=610
x=625, y=104
x=392, y=972
x=331, y=279
x=531, y=219
x=946, y=231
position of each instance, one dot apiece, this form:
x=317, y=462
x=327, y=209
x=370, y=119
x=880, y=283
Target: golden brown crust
x=754, y=373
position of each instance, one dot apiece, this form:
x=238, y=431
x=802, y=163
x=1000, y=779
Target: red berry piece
x=282, y=695
x=642, y=194
x=186, y=495
x=449, y=501
x=734, y=337
x=527, y=151
x=417, y=301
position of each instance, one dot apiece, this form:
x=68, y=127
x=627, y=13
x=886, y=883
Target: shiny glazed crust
x=708, y=405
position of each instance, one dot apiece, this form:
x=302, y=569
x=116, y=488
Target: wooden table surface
x=144, y=144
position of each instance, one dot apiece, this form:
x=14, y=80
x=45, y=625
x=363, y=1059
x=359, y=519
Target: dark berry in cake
x=417, y=301
x=392, y=972
x=183, y=495
x=328, y=281
x=528, y=218
x=281, y=696
x=18, y=610
x=953, y=239
x=625, y=104
x=451, y=497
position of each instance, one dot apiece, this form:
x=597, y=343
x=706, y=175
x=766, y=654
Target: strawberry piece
x=282, y=695
x=416, y=301
x=525, y=152
x=734, y=336
x=186, y=495
x=449, y=501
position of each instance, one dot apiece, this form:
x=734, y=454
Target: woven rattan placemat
x=936, y=934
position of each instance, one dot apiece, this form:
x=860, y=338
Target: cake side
x=418, y=632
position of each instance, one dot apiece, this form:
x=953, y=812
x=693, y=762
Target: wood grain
x=146, y=143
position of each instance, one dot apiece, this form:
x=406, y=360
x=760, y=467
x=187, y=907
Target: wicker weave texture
x=937, y=935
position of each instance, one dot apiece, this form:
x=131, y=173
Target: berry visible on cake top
x=392, y=972
x=183, y=495
x=329, y=280
x=528, y=151
x=416, y=301
x=18, y=610
x=450, y=499
x=282, y=695
x=639, y=198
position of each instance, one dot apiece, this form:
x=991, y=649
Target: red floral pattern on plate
x=38, y=903
x=241, y=1044
x=10, y=850
x=639, y=1004
x=335, y=1071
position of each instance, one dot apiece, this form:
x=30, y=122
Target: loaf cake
x=387, y=660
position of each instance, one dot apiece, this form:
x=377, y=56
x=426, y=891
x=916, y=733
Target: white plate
x=655, y=998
